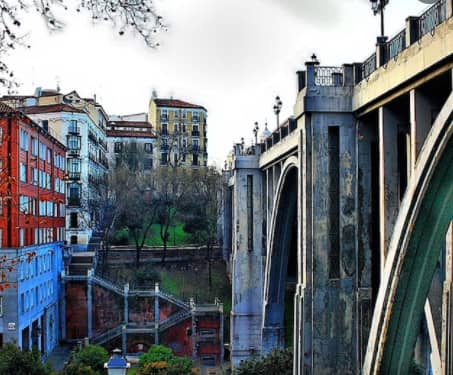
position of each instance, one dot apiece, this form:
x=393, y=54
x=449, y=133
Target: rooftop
x=36, y=109
x=176, y=103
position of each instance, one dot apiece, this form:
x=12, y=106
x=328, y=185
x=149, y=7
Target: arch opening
x=282, y=274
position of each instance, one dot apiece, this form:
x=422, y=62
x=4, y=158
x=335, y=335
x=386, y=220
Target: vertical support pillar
x=124, y=339
x=420, y=117
x=221, y=330
x=194, y=329
x=388, y=178
x=156, y=314
x=381, y=55
x=449, y=8
x=90, y=303
x=126, y=304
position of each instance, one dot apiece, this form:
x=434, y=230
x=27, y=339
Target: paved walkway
x=59, y=356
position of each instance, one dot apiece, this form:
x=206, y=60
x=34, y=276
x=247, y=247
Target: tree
x=172, y=191
x=160, y=360
x=136, y=15
x=135, y=198
x=15, y=361
x=206, y=208
x=278, y=361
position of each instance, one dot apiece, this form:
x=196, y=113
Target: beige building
x=181, y=129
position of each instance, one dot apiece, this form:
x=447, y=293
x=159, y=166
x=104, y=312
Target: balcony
x=92, y=137
x=195, y=133
x=74, y=152
x=195, y=119
x=74, y=175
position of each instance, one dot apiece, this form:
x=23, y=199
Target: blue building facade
x=31, y=316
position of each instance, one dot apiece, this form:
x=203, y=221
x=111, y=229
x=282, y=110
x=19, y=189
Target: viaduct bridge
x=339, y=222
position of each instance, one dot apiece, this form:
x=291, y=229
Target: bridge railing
x=416, y=28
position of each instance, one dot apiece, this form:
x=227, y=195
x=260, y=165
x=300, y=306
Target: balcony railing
x=395, y=45
x=195, y=133
x=74, y=175
x=195, y=119
x=328, y=76
x=74, y=152
x=434, y=16
x=92, y=137
x=418, y=27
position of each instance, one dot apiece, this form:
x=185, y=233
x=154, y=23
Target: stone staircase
x=81, y=263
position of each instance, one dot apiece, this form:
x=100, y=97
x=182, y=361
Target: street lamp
x=117, y=365
x=277, y=108
x=378, y=7
x=255, y=132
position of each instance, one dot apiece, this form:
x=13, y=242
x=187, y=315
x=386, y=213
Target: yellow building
x=181, y=128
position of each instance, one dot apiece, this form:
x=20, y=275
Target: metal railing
x=434, y=16
x=328, y=76
x=173, y=300
x=174, y=319
x=107, y=336
x=395, y=45
x=369, y=66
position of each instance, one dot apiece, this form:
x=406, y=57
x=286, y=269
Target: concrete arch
x=423, y=219
x=281, y=235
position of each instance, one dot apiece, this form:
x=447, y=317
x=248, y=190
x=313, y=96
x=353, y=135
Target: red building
x=32, y=187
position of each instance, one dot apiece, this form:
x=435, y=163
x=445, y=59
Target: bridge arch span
x=423, y=219
x=282, y=262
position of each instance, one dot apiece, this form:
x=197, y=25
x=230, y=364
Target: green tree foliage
x=160, y=360
x=18, y=362
x=89, y=360
x=278, y=361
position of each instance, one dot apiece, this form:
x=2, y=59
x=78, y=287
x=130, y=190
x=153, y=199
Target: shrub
x=93, y=356
x=18, y=362
x=278, y=361
x=160, y=360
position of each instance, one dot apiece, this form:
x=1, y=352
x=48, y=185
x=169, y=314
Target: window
x=74, y=194
x=24, y=204
x=62, y=162
x=34, y=146
x=23, y=172
x=74, y=142
x=73, y=220
x=118, y=147
x=48, y=182
x=164, y=114
x=49, y=206
x=42, y=151
x=73, y=240
x=23, y=140
x=49, y=155
x=148, y=148
x=164, y=129
x=148, y=164
x=163, y=159
x=45, y=124
x=184, y=129
x=74, y=167
x=34, y=176
x=195, y=159
x=73, y=127
x=57, y=185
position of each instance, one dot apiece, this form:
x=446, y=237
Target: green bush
x=159, y=360
x=93, y=356
x=18, y=362
x=278, y=361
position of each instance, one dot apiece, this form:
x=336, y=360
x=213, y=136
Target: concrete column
x=388, y=178
x=420, y=117
x=126, y=303
x=449, y=8
x=90, y=304
x=156, y=313
x=270, y=196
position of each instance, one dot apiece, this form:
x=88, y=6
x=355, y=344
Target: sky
x=231, y=56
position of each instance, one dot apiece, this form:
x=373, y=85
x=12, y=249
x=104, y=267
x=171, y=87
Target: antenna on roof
x=57, y=78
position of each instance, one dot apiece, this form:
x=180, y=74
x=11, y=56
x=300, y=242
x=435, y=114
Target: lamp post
x=277, y=108
x=255, y=132
x=378, y=7
x=117, y=365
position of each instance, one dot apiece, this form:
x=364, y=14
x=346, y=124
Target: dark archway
x=282, y=264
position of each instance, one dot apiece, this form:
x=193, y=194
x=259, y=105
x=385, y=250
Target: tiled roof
x=35, y=109
x=176, y=103
x=131, y=124
x=129, y=133
x=6, y=108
